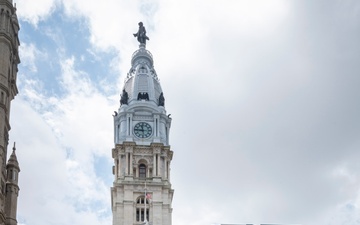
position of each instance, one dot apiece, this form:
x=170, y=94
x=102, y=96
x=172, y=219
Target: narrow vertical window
x=128, y=164
x=156, y=126
x=128, y=126
x=7, y=21
x=142, y=171
x=138, y=215
x=157, y=165
x=118, y=133
x=117, y=169
x=166, y=135
x=13, y=175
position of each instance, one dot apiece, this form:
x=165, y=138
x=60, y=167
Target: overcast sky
x=264, y=97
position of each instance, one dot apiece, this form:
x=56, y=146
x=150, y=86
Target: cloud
x=34, y=13
x=29, y=54
x=55, y=153
x=264, y=100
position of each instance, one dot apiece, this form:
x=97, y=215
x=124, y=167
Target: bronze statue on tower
x=141, y=34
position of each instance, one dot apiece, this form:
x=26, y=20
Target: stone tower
x=142, y=154
x=12, y=189
x=9, y=60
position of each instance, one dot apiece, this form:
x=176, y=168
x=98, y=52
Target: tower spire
x=142, y=154
x=12, y=188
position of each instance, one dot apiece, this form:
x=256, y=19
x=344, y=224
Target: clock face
x=142, y=130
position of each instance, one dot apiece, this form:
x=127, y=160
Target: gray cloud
x=265, y=102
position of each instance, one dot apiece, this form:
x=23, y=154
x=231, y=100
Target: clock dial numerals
x=142, y=130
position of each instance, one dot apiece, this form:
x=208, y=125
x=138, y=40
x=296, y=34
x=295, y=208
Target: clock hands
x=142, y=130
x=142, y=127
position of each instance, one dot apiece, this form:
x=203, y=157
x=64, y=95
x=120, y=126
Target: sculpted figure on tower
x=141, y=34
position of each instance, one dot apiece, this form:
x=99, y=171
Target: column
x=154, y=165
x=157, y=164
x=127, y=162
x=130, y=164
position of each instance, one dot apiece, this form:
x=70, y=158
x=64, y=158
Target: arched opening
x=140, y=209
x=142, y=171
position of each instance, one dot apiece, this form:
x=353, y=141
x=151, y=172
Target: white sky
x=264, y=97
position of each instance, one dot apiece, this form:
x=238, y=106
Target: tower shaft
x=141, y=191
x=12, y=188
x=9, y=60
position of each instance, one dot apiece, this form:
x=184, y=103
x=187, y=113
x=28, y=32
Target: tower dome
x=142, y=82
x=142, y=100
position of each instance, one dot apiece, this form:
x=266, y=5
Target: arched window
x=142, y=171
x=140, y=209
x=143, y=69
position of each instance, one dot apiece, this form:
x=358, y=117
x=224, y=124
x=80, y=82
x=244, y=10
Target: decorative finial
x=141, y=34
x=14, y=148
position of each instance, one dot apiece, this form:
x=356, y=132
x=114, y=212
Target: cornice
x=156, y=145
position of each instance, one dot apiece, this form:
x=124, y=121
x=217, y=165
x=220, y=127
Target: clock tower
x=141, y=192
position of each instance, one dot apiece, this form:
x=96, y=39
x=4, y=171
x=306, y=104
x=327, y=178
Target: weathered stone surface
x=142, y=161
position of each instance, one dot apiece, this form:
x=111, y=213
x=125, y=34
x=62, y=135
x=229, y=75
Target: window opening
x=142, y=171
x=140, y=209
